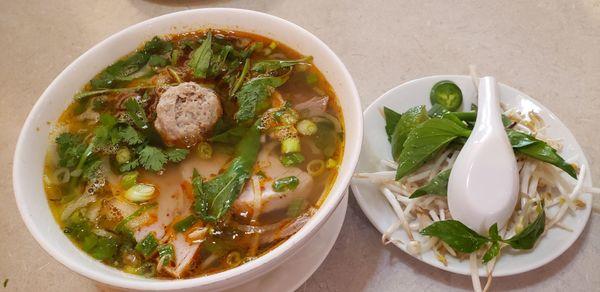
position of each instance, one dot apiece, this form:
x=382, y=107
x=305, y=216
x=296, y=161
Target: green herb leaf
x=214, y=198
x=532, y=147
x=231, y=136
x=493, y=233
x=253, y=97
x=265, y=66
x=286, y=184
x=455, y=234
x=147, y=246
x=492, y=252
x=527, y=238
x=130, y=136
x=326, y=137
x=391, y=120
x=200, y=57
x=127, y=68
x=176, y=154
x=136, y=113
x=105, y=249
x=157, y=61
x=70, y=148
x=437, y=186
x=408, y=121
x=152, y=158
x=425, y=141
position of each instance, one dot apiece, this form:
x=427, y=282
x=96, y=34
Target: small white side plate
x=376, y=147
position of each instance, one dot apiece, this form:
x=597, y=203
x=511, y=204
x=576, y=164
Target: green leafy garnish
x=200, y=57
x=437, y=186
x=407, y=122
x=253, y=96
x=214, y=197
x=136, y=113
x=147, y=246
x=70, y=148
x=129, y=67
x=391, y=119
x=326, y=137
x=494, y=249
x=285, y=184
x=540, y=150
x=130, y=136
x=231, y=136
x=176, y=154
x=456, y=234
x=425, y=141
x=265, y=66
x=152, y=158
x=527, y=238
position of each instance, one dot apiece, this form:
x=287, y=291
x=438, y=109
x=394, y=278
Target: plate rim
x=453, y=269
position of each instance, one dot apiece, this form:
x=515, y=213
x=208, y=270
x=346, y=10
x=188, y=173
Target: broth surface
x=165, y=209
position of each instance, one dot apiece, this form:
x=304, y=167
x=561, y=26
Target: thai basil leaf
x=408, y=121
x=425, y=141
x=456, y=235
x=437, y=186
x=494, y=249
x=127, y=68
x=200, y=57
x=214, y=197
x=231, y=136
x=253, y=96
x=492, y=252
x=391, y=119
x=532, y=147
x=527, y=238
x=274, y=65
x=470, y=117
x=437, y=111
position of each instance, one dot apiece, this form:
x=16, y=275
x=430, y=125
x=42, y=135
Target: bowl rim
x=249, y=270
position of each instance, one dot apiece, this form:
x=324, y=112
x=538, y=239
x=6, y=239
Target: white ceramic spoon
x=483, y=184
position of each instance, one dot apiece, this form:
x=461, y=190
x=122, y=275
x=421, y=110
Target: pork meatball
x=186, y=113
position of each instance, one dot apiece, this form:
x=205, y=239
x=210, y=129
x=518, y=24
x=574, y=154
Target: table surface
x=548, y=49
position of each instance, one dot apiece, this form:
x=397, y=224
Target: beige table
x=548, y=49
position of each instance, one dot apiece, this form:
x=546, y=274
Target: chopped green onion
x=121, y=226
x=296, y=207
x=307, y=127
x=290, y=159
x=166, y=254
x=331, y=163
x=287, y=116
x=123, y=155
x=185, y=223
x=140, y=193
x=147, y=246
x=272, y=45
x=205, y=151
x=290, y=145
x=315, y=167
x=312, y=78
x=284, y=184
x=233, y=259
x=129, y=180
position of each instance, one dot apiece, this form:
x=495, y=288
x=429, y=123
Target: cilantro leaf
x=130, y=136
x=152, y=158
x=70, y=147
x=176, y=154
x=106, y=133
x=91, y=168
